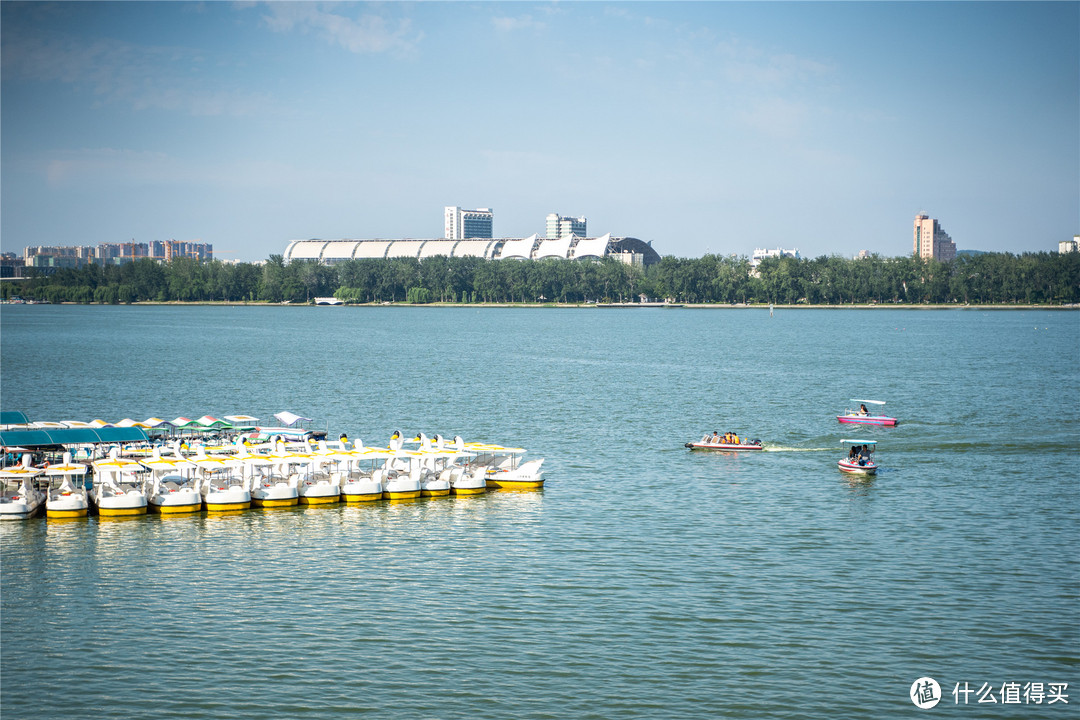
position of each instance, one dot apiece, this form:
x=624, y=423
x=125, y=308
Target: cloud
x=513, y=24
x=366, y=34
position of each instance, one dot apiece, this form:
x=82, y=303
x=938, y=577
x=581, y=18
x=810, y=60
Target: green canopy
x=71, y=436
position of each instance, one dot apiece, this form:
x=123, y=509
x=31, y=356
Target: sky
x=701, y=127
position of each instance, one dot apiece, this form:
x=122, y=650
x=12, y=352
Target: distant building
x=1067, y=246
x=559, y=226
x=11, y=265
x=462, y=224
x=931, y=241
x=54, y=258
x=761, y=253
x=863, y=254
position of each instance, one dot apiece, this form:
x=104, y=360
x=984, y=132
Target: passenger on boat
x=853, y=452
x=715, y=436
x=734, y=438
x=863, y=410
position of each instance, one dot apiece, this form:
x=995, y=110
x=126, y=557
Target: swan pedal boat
x=68, y=499
x=859, y=418
x=20, y=498
x=503, y=468
x=863, y=462
x=752, y=445
x=117, y=491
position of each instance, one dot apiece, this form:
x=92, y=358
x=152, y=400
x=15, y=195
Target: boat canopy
x=860, y=442
x=289, y=419
x=13, y=417
x=72, y=436
x=872, y=402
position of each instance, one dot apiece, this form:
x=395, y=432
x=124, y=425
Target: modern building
x=463, y=224
x=329, y=252
x=54, y=258
x=1067, y=246
x=559, y=226
x=931, y=241
x=761, y=253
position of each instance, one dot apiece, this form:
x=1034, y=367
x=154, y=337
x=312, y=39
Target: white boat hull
x=366, y=490
x=279, y=494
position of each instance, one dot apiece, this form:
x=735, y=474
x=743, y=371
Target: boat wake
x=771, y=448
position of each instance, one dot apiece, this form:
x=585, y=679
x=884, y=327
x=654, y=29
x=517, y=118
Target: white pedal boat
x=20, y=498
x=67, y=495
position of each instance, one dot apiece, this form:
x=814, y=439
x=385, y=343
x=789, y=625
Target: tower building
x=559, y=226
x=931, y=241
x=461, y=224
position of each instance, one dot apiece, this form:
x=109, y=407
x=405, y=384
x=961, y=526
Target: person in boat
x=863, y=410
x=734, y=438
x=716, y=436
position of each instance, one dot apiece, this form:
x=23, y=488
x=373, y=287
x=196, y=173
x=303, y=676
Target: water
x=644, y=581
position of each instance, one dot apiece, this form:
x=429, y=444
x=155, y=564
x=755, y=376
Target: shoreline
x=588, y=306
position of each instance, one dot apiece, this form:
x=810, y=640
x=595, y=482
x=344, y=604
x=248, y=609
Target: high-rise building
x=931, y=241
x=559, y=226
x=461, y=224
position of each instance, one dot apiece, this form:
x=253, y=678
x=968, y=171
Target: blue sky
x=702, y=127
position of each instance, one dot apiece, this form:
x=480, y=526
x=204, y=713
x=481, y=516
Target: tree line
x=998, y=278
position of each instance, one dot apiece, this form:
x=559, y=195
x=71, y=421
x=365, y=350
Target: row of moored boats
x=173, y=478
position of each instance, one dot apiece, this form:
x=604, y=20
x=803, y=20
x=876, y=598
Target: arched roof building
x=628, y=249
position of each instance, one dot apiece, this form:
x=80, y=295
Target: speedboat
x=117, y=489
x=20, y=498
x=173, y=487
x=503, y=468
x=863, y=416
x=706, y=443
x=67, y=496
x=860, y=457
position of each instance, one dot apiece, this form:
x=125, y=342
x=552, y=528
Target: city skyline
x=702, y=127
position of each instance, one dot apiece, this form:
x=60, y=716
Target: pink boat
x=748, y=445
x=863, y=416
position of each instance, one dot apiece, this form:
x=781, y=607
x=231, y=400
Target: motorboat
x=67, y=496
x=222, y=489
x=707, y=443
x=117, y=488
x=864, y=416
x=364, y=484
x=503, y=466
x=20, y=498
x=860, y=457
x=173, y=486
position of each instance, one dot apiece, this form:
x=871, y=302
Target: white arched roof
x=559, y=247
x=518, y=248
x=338, y=250
x=473, y=248
x=305, y=250
x=405, y=248
x=372, y=248
x=592, y=247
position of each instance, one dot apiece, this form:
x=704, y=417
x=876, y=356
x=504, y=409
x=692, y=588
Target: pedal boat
x=321, y=484
x=222, y=490
x=860, y=418
x=269, y=483
x=67, y=496
x=859, y=461
x=364, y=485
x=738, y=447
x=173, y=487
x=504, y=469
x=117, y=489
x=20, y=498
x=400, y=482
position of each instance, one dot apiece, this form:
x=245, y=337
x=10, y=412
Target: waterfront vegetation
x=988, y=278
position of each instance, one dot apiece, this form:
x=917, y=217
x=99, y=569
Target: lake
x=643, y=581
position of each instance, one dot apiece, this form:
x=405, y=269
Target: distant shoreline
x=603, y=306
